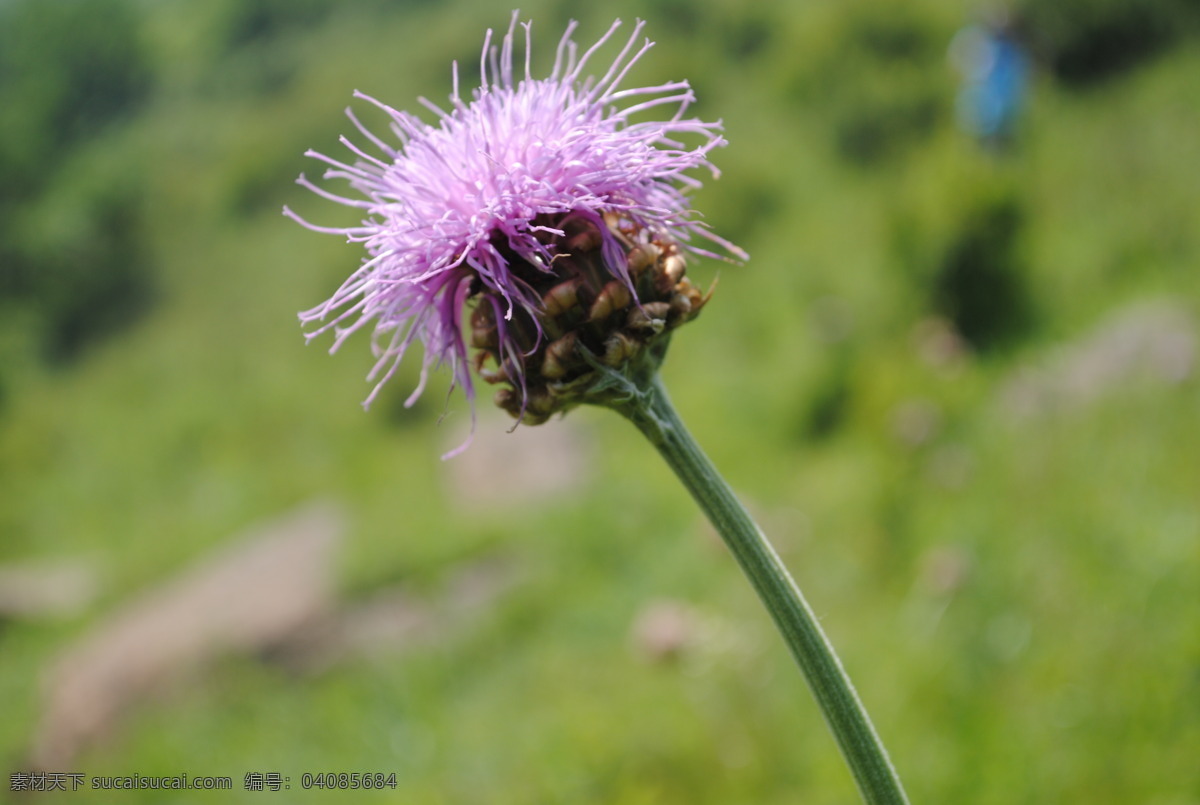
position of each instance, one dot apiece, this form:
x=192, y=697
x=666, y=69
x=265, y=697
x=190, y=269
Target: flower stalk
x=650, y=409
x=542, y=225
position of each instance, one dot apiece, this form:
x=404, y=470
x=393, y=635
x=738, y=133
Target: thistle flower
x=561, y=225
x=543, y=208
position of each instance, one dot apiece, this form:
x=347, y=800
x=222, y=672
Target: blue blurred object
x=995, y=71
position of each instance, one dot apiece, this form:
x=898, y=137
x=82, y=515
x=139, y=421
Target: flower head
x=494, y=207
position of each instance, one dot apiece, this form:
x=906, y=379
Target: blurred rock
x=671, y=632
x=664, y=630
x=939, y=345
x=1145, y=344
x=915, y=421
x=397, y=618
x=251, y=594
x=46, y=589
x=528, y=465
x=944, y=569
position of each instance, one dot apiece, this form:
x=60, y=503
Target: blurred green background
x=957, y=383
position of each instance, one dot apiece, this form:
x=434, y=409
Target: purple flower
x=469, y=204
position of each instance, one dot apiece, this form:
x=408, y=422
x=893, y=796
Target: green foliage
x=67, y=68
x=251, y=21
x=979, y=283
x=70, y=246
x=880, y=72
x=969, y=266
x=1085, y=41
x=87, y=280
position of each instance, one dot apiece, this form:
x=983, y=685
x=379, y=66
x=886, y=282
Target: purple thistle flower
x=469, y=204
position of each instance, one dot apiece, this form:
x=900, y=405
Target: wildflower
x=560, y=223
x=541, y=207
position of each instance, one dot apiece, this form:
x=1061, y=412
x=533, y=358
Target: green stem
x=650, y=409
